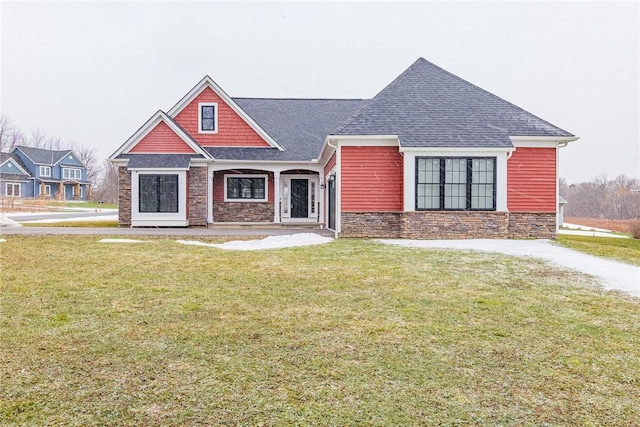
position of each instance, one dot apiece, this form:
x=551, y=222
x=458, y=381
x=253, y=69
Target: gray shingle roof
x=427, y=106
x=16, y=159
x=298, y=125
x=43, y=156
x=150, y=161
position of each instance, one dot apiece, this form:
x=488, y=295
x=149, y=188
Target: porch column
x=321, y=196
x=209, y=195
x=61, y=195
x=41, y=189
x=276, y=196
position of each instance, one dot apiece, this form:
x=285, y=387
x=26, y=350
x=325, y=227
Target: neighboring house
x=29, y=172
x=430, y=156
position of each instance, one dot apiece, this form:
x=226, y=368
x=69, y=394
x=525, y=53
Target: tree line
x=102, y=174
x=617, y=198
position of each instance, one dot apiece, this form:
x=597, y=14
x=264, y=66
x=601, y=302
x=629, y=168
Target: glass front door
x=299, y=198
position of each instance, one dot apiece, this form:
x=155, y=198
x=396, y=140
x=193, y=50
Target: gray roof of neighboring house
x=427, y=106
x=150, y=161
x=6, y=156
x=43, y=156
x=300, y=126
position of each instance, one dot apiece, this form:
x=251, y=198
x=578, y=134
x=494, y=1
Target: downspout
x=337, y=207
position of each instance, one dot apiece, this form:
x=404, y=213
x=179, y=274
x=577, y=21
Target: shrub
x=635, y=228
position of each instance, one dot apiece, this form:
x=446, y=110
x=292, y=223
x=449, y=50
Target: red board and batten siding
x=233, y=131
x=371, y=179
x=161, y=139
x=531, y=180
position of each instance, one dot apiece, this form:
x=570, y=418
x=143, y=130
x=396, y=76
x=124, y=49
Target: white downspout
x=338, y=165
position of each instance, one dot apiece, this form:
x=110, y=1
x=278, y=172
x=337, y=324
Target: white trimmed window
x=158, y=193
x=207, y=117
x=245, y=188
x=456, y=183
x=12, y=190
x=45, y=170
x=68, y=173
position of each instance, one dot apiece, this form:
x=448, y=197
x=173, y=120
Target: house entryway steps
x=270, y=225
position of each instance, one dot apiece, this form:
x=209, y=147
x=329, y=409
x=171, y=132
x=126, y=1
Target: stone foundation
x=197, y=196
x=386, y=225
x=448, y=225
x=540, y=225
x=455, y=225
x=124, y=197
x=242, y=212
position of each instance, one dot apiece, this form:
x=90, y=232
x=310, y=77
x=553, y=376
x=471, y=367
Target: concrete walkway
x=191, y=231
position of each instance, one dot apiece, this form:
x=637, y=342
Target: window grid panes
x=246, y=188
x=452, y=183
x=208, y=118
x=158, y=193
x=12, y=190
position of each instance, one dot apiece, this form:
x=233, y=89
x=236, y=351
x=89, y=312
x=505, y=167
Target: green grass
x=83, y=224
x=348, y=333
x=625, y=250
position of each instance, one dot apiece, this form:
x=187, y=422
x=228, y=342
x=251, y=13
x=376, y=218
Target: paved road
x=58, y=215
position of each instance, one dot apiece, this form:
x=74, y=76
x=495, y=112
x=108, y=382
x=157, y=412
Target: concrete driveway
x=611, y=274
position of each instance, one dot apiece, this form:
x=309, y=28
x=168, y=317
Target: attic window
x=208, y=117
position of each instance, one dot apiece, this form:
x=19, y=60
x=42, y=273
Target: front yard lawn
x=624, y=250
x=348, y=333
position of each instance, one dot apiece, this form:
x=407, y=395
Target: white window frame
x=215, y=117
x=13, y=187
x=45, y=171
x=47, y=190
x=160, y=219
x=266, y=188
x=68, y=172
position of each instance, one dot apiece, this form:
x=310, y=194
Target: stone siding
x=455, y=225
x=448, y=225
x=541, y=225
x=124, y=197
x=372, y=224
x=197, y=196
x=242, y=212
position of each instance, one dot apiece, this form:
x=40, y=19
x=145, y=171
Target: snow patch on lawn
x=3, y=240
x=271, y=242
x=5, y=221
x=121, y=241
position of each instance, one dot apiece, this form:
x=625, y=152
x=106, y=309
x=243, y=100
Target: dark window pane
x=246, y=188
x=158, y=193
x=207, y=112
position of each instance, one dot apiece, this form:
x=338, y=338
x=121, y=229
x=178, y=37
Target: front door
x=299, y=198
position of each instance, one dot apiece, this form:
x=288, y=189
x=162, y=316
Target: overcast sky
x=94, y=72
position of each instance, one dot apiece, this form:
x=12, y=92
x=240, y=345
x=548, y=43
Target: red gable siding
x=233, y=131
x=531, y=180
x=371, y=179
x=161, y=139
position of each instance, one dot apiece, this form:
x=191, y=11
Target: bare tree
x=87, y=155
x=106, y=188
x=603, y=198
x=10, y=135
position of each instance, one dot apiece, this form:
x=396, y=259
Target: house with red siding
x=431, y=156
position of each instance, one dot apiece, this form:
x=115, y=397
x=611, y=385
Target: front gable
x=160, y=135
x=71, y=159
x=161, y=139
x=233, y=126
x=10, y=166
